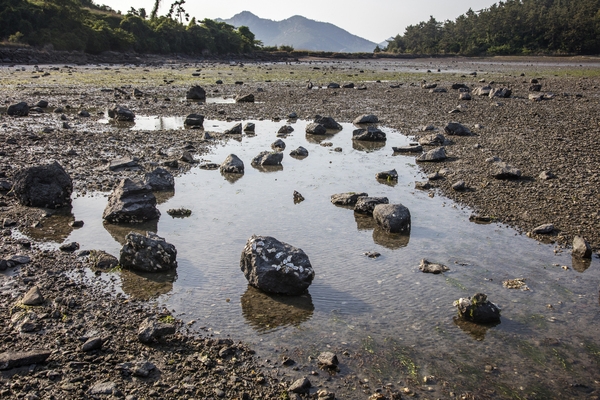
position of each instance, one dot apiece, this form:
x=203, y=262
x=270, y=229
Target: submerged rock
x=43, y=186
x=276, y=267
x=149, y=253
x=477, y=309
x=131, y=201
x=432, y=268
x=411, y=148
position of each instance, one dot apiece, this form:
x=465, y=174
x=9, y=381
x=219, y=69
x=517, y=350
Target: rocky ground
x=558, y=134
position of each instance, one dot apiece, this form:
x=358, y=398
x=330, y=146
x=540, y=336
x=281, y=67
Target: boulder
x=232, y=165
x=391, y=175
x=149, y=253
x=328, y=123
x=244, y=98
x=150, y=329
x=434, y=155
x=477, y=309
x=347, y=199
x=299, y=152
x=194, y=120
x=160, y=180
x=196, y=93
x=42, y=104
x=69, y=247
x=276, y=267
x=278, y=145
x=425, y=85
x=43, y=186
x=454, y=128
x=268, y=158
x=316, y=129
x=392, y=218
x=435, y=139
x=348, y=85
x=285, y=130
x=502, y=170
x=581, y=248
x=366, y=205
x=366, y=119
x=371, y=134
x=501, y=93
x=234, y=130
x=18, y=110
x=120, y=113
x=432, y=268
x=250, y=127
x=546, y=175
x=131, y=201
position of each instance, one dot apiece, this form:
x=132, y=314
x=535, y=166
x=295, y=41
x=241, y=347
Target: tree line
x=85, y=26
x=511, y=27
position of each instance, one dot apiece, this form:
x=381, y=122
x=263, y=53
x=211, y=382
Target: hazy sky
x=375, y=20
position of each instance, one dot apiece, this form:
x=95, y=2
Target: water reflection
x=231, y=178
x=580, y=264
x=364, y=222
x=391, y=241
x=119, y=231
x=367, y=147
x=318, y=139
x=476, y=331
x=147, y=286
x=55, y=227
x=267, y=312
x=268, y=168
x=163, y=197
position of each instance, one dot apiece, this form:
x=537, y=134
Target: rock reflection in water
x=317, y=139
x=163, y=197
x=367, y=147
x=580, y=264
x=55, y=227
x=391, y=241
x=266, y=312
x=268, y=168
x=231, y=178
x=364, y=222
x=147, y=286
x=476, y=331
x=119, y=231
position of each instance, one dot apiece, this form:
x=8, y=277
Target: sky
x=374, y=20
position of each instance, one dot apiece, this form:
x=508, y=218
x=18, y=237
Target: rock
x=268, y=158
x=324, y=394
x=457, y=86
x=20, y=259
x=316, y=129
x=92, y=344
x=102, y=260
x=196, y=93
x=219, y=82
x=15, y=359
x=328, y=123
x=244, y=98
x=232, y=165
x=84, y=114
x=278, y=145
x=131, y=201
x=234, y=130
x=500, y=93
x=535, y=88
x=482, y=91
x=104, y=388
x=477, y=309
x=436, y=139
x=438, y=90
x=69, y=247
x=292, y=115
x=250, y=127
x=434, y=155
x=454, y=128
x=432, y=268
x=347, y=199
x=392, y=218
x=535, y=96
x=464, y=96
x=285, y=130
x=545, y=175
x=179, y=212
x=328, y=359
x=298, y=198
x=412, y=148
x=194, y=120
x=33, y=297
x=43, y=186
x=42, y=104
x=581, y=248
x=187, y=157
x=150, y=253
x=123, y=163
x=502, y=170
x=391, y=175
x=143, y=369
x=18, y=110
x=160, y=180
x=459, y=186
x=366, y=205
x=137, y=92
x=301, y=386
x=333, y=85
x=543, y=229
x=366, y=119
x=425, y=85
x=150, y=329
x=121, y=113
x=423, y=185
x=276, y=267
x=348, y=85
x=299, y=152
x=371, y=134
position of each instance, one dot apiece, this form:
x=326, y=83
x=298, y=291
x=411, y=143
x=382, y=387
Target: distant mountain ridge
x=301, y=33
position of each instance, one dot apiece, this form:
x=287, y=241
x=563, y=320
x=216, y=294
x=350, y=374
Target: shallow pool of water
x=396, y=323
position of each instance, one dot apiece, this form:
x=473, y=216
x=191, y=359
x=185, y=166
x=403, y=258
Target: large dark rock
x=371, y=134
x=278, y=145
x=196, y=93
x=232, y=165
x=121, y=113
x=149, y=253
x=131, y=201
x=160, y=180
x=315, y=128
x=14, y=359
x=366, y=205
x=391, y=175
x=328, y=123
x=454, y=128
x=43, y=186
x=194, y=120
x=276, y=267
x=346, y=199
x=18, y=110
x=477, y=309
x=366, y=119
x=268, y=158
x=299, y=152
x=234, y=130
x=394, y=218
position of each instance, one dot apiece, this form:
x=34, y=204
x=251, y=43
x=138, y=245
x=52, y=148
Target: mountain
x=301, y=33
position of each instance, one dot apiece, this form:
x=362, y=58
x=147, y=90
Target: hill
x=301, y=33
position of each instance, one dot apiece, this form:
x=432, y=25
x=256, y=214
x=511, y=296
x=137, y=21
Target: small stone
x=432, y=268
x=328, y=359
x=543, y=229
x=69, y=247
x=300, y=386
x=459, y=186
x=33, y=297
x=94, y=343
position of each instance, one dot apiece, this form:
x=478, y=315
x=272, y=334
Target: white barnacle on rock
x=254, y=246
x=278, y=255
x=301, y=269
x=264, y=258
x=273, y=250
x=260, y=243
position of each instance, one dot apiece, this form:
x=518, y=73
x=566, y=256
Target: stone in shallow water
x=347, y=199
x=131, y=201
x=149, y=253
x=477, y=309
x=432, y=268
